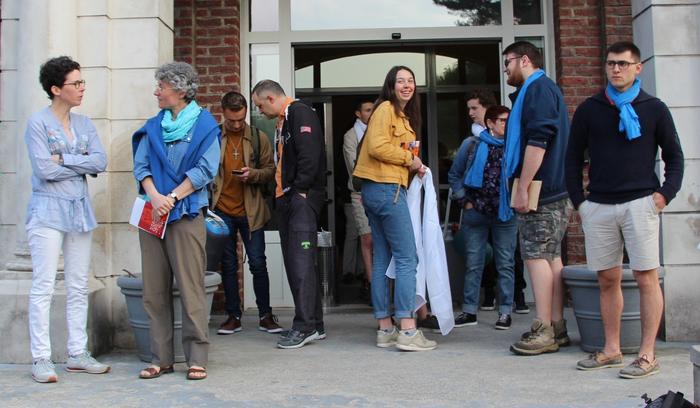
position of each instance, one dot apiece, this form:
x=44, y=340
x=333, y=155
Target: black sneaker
x=520, y=306
x=296, y=339
x=503, y=322
x=488, y=304
x=465, y=319
x=430, y=322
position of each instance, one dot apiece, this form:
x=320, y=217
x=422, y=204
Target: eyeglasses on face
x=622, y=64
x=507, y=61
x=76, y=84
x=502, y=120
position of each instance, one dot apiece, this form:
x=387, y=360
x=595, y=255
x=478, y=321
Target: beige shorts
x=358, y=213
x=609, y=227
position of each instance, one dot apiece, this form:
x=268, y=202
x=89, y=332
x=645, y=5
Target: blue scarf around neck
x=629, y=121
x=174, y=130
x=511, y=155
x=475, y=174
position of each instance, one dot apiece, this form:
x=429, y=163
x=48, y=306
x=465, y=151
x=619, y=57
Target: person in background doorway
x=63, y=148
x=246, y=165
x=477, y=183
x=351, y=139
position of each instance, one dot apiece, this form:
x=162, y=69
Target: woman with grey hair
x=176, y=155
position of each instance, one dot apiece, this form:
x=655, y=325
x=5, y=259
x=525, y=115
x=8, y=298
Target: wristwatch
x=173, y=196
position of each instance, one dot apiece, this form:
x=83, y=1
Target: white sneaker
x=85, y=363
x=417, y=342
x=43, y=371
x=385, y=339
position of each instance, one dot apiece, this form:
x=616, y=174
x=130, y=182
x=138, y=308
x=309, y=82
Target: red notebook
x=142, y=217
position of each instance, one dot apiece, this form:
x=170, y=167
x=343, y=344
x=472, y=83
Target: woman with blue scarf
x=176, y=155
x=476, y=176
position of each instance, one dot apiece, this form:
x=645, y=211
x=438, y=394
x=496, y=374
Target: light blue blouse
x=60, y=198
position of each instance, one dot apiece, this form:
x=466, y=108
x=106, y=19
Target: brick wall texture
x=582, y=31
x=207, y=34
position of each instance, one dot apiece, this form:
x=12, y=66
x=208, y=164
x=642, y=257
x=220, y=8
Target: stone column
x=119, y=43
x=668, y=34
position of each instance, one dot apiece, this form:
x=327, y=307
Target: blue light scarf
x=174, y=130
x=511, y=155
x=475, y=174
x=629, y=121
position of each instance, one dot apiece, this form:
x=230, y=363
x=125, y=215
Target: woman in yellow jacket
x=384, y=163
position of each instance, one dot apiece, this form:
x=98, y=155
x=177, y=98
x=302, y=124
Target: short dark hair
x=234, y=101
x=54, y=71
x=525, y=48
x=485, y=98
x=493, y=112
x=624, y=46
x=361, y=101
x=267, y=85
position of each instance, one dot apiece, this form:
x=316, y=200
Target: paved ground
x=471, y=367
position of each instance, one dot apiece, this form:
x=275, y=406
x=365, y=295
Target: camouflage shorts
x=542, y=231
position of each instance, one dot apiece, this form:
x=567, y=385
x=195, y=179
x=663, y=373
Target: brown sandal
x=155, y=372
x=192, y=371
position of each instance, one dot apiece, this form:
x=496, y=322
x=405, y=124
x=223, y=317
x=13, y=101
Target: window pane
x=369, y=69
x=264, y=64
x=264, y=15
x=333, y=15
x=304, y=77
x=537, y=42
x=527, y=12
x=468, y=64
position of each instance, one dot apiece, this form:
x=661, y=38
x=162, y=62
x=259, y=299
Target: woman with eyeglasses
x=475, y=180
x=176, y=156
x=63, y=149
x=387, y=156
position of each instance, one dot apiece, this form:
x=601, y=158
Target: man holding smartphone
x=245, y=167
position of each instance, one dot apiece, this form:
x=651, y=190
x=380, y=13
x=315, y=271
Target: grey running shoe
x=417, y=342
x=598, y=360
x=43, y=371
x=640, y=368
x=387, y=339
x=321, y=334
x=85, y=363
x=540, y=340
x=296, y=339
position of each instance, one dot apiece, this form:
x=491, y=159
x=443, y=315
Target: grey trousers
x=179, y=254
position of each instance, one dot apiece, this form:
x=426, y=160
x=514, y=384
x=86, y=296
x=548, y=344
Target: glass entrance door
x=340, y=75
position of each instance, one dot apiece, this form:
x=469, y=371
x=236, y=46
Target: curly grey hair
x=181, y=76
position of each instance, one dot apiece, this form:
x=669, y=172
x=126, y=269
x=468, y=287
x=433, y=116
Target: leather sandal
x=193, y=371
x=155, y=372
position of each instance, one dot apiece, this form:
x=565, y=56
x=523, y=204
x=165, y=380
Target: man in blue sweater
x=622, y=128
x=536, y=139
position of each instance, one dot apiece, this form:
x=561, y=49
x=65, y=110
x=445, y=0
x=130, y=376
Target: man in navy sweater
x=538, y=129
x=622, y=128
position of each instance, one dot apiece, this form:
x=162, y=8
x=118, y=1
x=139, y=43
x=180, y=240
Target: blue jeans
x=504, y=236
x=392, y=235
x=255, y=250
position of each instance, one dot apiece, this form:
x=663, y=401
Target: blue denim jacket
x=60, y=198
x=200, y=175
x=460, y=165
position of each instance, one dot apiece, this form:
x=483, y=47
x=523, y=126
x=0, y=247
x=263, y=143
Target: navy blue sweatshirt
x=622, y=170
x=545, y=124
